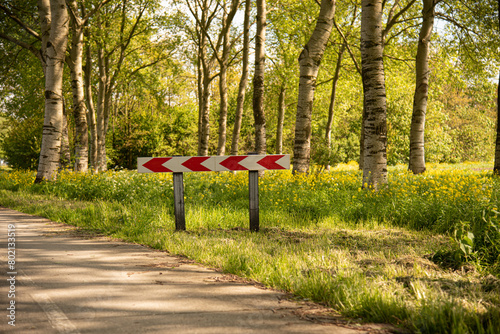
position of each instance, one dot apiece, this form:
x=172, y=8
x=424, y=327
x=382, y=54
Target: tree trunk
x=496, y=167
x=77, y=85
x=310, y=60
x=375, y=127
x=258, y=80
x=45, y=20
x=281, y=117
x=417, y=152
x=243, y=81
x=223, y=63
x=221, y=147
x=204, y=108
x=91, y=110
x=205, y=112
x=331, y=107
x=100, y=115
x=52, y=126
x=199, y=80
x=65, y=158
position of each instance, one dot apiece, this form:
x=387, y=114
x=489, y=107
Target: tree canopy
x=163, y=78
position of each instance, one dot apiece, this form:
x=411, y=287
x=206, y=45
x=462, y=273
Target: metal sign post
x=253, y=196
x=178, y=165
x=180, y=216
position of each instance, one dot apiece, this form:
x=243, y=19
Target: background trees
x=157, y=79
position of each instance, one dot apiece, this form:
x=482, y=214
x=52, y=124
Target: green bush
x=21, y=143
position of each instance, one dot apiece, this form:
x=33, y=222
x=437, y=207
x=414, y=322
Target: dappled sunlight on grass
x=421, y=253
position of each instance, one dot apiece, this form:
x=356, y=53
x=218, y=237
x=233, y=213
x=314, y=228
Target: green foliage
x=21, y=143
x=144, y=135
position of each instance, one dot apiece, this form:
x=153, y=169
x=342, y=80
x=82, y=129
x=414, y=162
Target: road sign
x=213, y=163
x=178, y=165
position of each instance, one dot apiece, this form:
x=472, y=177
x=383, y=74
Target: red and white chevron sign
x=213, y=164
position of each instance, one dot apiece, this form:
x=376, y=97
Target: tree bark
x=52, y=126
x=101, y=163
x=310, y=60
x=205, y=80
x=243, y=81
x=65, y=158
x=91, y=121
x=281, y=118
x=496, y=166
x=205, y=110
x=331, y=107
x=375, y=127
x=45, y=23
x=77, y=85
x=224, y=63
x=258, y=79
x=417, y=148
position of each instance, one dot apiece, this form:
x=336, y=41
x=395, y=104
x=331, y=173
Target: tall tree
x=375, y=124
x=227, y=20
x=240, y=100
x=281, y=118
x=55, y=51
x=422, y=71
x=205, y=12
x=496, y=167
x=393, y=19
x=310, y=60
x=258, y=79
x=79, y=19
x=204, y=17
x=121, y=31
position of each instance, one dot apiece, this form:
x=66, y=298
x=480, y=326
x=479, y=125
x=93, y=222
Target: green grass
x=422, y=254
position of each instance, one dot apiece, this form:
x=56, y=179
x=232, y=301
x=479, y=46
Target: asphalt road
x=64, y=281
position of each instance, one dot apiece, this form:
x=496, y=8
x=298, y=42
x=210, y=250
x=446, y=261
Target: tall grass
x=422, y=253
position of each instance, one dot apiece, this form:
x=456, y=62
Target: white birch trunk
x=52, y=127
x=375, y=126
x=91, y=114
x=417, y=146
x=331, y=107
x=496, y=164
x=77, y=85
x=281, y=118
x=101, y=163
x=65, y=156
x=45, y=19
x=224, y=63
x=204, y=108
x=243, y=81
x=258, y=80
x=310, y=60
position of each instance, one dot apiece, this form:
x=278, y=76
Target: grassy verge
x=422, y=254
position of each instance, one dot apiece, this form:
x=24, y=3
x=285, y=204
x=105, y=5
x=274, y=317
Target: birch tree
x=55, y=52
x=227, y=20
x=422, y=71
x=243, y=80
x=258, y=79
x=496, y=167
x=335, y=80
x=204, y=13
x=75, y=61
x=372, y=66
x=131, y=31
x=310, y=60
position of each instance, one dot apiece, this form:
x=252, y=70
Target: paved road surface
x=65, y=283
